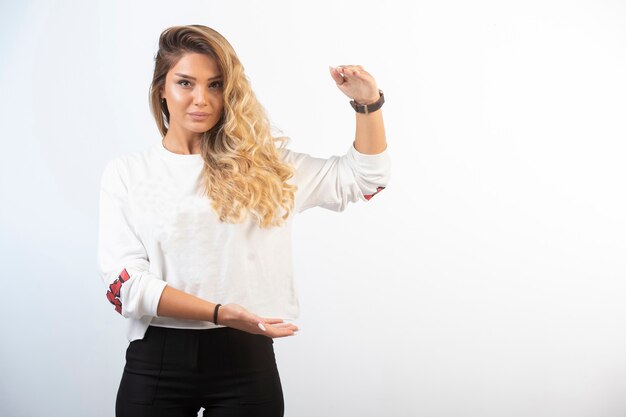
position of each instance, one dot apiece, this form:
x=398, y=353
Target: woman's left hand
x=356, y=83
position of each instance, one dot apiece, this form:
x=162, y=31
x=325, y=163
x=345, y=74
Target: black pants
x=174, y=372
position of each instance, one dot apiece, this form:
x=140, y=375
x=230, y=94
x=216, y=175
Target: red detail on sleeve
x=113, y=294
x=378, y=189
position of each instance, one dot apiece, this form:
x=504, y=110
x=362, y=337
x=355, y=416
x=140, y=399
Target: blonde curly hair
x=243, y=172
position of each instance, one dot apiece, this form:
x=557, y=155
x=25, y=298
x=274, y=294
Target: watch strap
x=368, y=108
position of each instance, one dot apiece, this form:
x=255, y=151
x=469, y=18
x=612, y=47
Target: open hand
x=235, y=316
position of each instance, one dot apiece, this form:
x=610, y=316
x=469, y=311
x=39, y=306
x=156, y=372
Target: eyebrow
x=194, y=78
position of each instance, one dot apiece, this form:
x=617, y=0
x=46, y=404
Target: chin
x=198, y=129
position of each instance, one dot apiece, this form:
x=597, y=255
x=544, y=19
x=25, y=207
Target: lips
x=199, y=116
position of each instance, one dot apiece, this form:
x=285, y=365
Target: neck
x=185, y=143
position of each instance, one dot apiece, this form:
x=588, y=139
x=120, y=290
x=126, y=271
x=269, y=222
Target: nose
x=200, y=97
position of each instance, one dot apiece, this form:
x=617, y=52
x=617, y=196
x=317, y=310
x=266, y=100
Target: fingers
x=273, y=321
x=337, y=77
x=265, y=326
x=344, y=73
x=278, y=329
x=278, y=323
x=285, y=325
x=280, y=332
x=350, y=69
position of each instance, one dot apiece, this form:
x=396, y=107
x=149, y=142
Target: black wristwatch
x=368, y=108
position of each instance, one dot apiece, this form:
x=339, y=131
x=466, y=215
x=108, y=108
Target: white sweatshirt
x=156, y=229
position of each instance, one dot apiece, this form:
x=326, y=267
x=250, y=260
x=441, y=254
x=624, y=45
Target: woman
x=194, y=242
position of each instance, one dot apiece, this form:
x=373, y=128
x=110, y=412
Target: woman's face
x=193, y=93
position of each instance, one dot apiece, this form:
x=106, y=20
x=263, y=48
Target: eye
x=219, y=83
x=183, y=81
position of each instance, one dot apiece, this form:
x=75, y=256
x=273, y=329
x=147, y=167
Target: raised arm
x=363, y=171
x=360, y=86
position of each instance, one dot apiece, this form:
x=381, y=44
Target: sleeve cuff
x=369, y=163
x=154, y=290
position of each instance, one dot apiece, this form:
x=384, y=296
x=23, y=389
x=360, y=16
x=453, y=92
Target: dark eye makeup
x=220, y=83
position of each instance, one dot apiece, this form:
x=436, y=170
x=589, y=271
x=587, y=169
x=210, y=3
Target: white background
x=486, y=280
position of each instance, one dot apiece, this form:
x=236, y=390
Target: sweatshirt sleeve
x=334, y=182
x=122, y=259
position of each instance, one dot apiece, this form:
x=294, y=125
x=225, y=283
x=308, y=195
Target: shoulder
x=286, y=154
x=135, y=158
x=119, y=169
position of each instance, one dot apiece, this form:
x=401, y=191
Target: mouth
x=199, y=116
